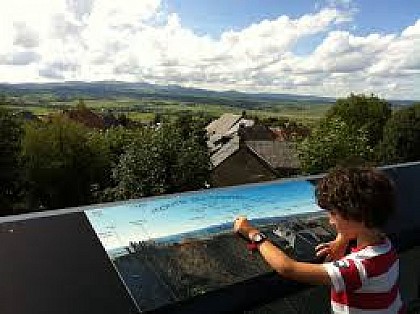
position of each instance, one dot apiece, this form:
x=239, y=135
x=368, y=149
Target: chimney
x=241, y=134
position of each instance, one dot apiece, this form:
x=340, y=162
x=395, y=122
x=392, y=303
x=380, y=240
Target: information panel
x=175, y=247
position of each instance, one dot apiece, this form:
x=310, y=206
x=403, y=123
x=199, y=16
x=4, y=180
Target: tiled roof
x=225, y=151
x=221, y=130
x=239, y=124
x=276, y=154
x=223, y=124
x=257, y=132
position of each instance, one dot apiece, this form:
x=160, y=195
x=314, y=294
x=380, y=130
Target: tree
x=157, y=118
x=10, y=174
x=401, y=140
x=281, y=122
x=332, y=143
x=63, y=164
x=161, y=161
x=360, y=111
x=117, y=139
x=81, y=105
x=189, y=127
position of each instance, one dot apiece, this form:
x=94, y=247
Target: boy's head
x=360, y=194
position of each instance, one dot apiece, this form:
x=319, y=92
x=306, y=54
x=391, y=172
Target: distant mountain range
x=115, y=89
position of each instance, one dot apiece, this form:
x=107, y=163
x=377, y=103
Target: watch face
x=258, y=237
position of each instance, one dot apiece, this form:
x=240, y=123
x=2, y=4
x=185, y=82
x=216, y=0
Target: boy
x=359, y=202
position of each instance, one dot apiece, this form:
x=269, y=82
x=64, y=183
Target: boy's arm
x=291, y=269
x=333, y=250
x=281, y=262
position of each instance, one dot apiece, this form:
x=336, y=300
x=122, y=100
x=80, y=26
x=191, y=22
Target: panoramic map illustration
x=175, y=247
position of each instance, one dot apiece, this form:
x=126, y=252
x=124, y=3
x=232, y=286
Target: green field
x=145, y=110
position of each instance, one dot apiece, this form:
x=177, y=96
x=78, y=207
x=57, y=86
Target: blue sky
x=216, y=16
x=326, y=48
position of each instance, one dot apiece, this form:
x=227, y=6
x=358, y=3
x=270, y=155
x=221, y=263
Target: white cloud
x=19, y=58
x=50, y=40
x=25, y=36
x=412, y=31
x=81, y=9
x=342, y=52
x=339, y=3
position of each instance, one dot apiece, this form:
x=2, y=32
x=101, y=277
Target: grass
x=36, y=110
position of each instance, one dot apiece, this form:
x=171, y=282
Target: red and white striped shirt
x=366, y=281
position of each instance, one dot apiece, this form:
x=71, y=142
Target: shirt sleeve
x=344, y=275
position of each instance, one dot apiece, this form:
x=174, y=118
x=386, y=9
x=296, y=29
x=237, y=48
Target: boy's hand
x=242, y=226
x=332, y=250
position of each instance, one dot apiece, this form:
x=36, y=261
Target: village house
x=245, y=152
x=86, y=117
x=89, y=118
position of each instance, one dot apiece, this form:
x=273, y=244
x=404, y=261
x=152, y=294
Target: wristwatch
x=256, y=240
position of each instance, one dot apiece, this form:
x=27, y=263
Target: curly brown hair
x=358, y=193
